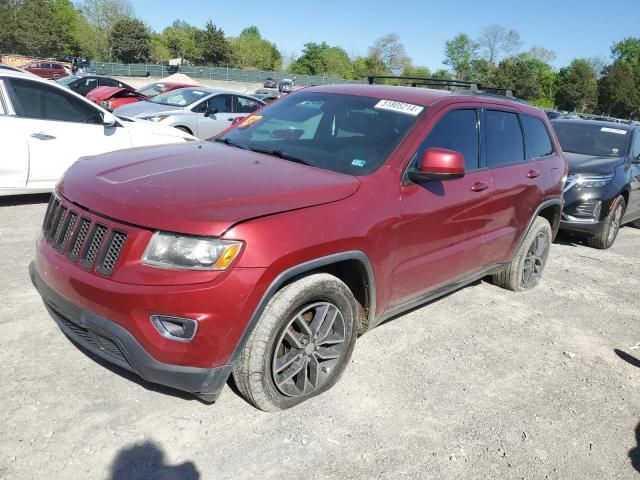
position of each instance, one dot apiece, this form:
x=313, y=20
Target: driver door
x=58, y=128
x=214, y=115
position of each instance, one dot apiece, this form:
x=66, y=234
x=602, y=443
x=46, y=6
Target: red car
x=47, y=70
x=266, y=253
x=112, y=98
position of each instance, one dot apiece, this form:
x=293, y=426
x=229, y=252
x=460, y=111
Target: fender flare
x=296, y=271
x=536, y=214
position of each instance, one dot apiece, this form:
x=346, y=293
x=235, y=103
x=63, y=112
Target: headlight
x=156, y=118
x=168, y=250
x=591, y=181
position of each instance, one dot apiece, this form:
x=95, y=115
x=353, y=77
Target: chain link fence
x=211, y=73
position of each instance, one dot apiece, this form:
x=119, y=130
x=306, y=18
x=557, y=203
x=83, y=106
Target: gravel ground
x=483, y=383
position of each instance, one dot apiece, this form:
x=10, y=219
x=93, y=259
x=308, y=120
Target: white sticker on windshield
x=400, y=107
x=358, y=163
x=198, y=92
x=613, y=130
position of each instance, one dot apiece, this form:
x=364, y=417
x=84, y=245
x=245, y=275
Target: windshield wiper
x=280, y=154
x=226, y=141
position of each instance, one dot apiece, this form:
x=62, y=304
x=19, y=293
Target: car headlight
x=168, y=250
x=156, y=118
x=590, y=181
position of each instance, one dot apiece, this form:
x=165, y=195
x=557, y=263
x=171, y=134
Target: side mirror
x=438, y=164
x=637, y=159
x=210, y=112
x=109, y=119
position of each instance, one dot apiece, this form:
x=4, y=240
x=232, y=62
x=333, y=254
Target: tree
x=104, y=14
x=411, y=71
x=628, y=51
x=540, y=53
x=459, y=54
x=577, y=87
x=532, y=79
x=67, y=19
x=214, y=46
x=619, y=90
x=387, y=54
x=496, y=41
x=159, y=51
x=322, y=59
x=9, y=22
x=130, y=41
x=249, y=49
x=180, y=40
x=37, y=31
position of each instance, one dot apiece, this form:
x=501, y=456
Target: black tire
x=55, y=76
x=611, y=226
x=256, y=371
x=525, y=270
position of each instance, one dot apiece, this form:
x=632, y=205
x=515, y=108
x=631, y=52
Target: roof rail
x=473, y=87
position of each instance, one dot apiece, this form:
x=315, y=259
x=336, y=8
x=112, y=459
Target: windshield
x=592, y=139
x=181, y=97
x=67, y=80
x=342, y=133
x=153, y=89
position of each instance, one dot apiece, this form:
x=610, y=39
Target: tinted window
x=36, y=100
x=635, y=152
x=593, y=139
x=221, y=103
x=246, y=105
x=504, y=138
x=457, y=130
x=536, y=137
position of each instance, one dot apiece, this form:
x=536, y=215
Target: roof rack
x=452, y=85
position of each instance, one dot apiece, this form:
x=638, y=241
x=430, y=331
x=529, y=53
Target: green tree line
x=109, y=30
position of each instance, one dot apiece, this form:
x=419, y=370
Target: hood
x=579, y=163
x=197, y=188
x=105, y=93
x=144, y=109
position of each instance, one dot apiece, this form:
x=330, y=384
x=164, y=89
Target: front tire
x=525, y=270
x=611, y=226
x=301, y=344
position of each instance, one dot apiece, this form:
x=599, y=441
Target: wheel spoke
x=295, y=368
x=327, y=326
x=287, y=359
x=319, y=317
x=327, y=353
x=328, y=340
x=304, y=326
x=314, y=371
x=291, y=338
x=302, y=380
x=541, y=246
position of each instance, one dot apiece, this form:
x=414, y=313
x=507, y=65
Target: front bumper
x=113, y=343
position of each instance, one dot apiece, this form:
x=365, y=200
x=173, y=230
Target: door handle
x=533, y=173
x=479, y=186
x=231, y=119
x=42, y=136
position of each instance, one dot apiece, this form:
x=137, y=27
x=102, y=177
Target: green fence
x=210, y=73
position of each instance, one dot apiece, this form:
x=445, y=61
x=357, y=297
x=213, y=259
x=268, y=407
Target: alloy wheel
x=615, y=224
x=308, y=349
x=534, y=261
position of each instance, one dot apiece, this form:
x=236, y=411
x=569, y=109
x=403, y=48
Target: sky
x=571, y=28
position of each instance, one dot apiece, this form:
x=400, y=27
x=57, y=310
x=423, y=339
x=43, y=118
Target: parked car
x=44, y=128
x=200, y=111
x=157, y=88
x=270, y=83
x=82, y=66
x=47, y=70
x=266, y=253
x=13, y=69
x=111, y=98
x=266, y=95
x=84, y=84
x=285, y=86
x=602, y=192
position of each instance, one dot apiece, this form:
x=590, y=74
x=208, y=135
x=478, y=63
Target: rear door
x=14, y=161
x=441, y=232
x=213, y=123
x=59, y=128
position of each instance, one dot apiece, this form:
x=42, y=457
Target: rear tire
x=301, y=344
x=611, y=226
x=525, y=270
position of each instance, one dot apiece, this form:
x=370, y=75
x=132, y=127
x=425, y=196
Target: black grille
x=112, y=253
x=85, y=335
x=70, y=232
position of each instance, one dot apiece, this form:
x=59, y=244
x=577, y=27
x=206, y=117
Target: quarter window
x=458, y=131
x=36, y=100
x=504, y=138
x=536, y=137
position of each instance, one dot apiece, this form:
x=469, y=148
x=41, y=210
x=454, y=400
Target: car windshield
x=592, y=139
x=67, y=80
x=181, y=97
x=342, y=133
x=153, y=89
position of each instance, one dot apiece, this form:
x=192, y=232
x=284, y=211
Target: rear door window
x=635, y=150
x=246, y=105
x=505, y=144
x=536, y=137
x=458, y=131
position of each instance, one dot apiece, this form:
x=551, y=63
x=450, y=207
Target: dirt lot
x=481, y=384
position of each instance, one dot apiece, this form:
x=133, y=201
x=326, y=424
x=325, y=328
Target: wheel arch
x=549, y=209
x=352, y=267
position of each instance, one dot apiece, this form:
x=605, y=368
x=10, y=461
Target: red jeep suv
x=266, y=253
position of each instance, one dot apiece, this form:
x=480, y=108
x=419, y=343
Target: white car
x=44, y=128
x=203, y=112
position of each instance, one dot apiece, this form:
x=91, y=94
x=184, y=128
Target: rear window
x=504, y=138
x=536, y=137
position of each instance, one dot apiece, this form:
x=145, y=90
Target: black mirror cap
x=212, y=111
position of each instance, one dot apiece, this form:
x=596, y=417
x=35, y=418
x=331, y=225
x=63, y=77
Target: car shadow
x=147, y=461
x=32, y=199
x=570, y=240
